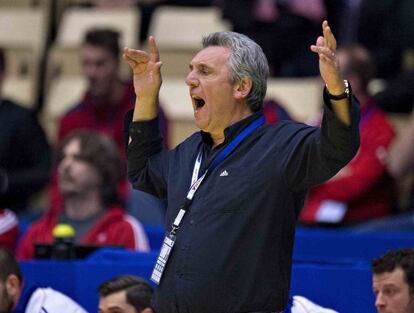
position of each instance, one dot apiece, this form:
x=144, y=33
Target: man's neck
x=219, y=137
x=112, y=97
x=80, y=207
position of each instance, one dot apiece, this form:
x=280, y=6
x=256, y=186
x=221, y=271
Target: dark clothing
x=233, y=251
x=25, y=156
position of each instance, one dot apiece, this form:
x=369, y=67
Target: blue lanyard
x=235, y=142
x=196, y=182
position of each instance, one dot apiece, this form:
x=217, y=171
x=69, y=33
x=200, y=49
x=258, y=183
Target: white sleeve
x=303, y=305
x=47, y=300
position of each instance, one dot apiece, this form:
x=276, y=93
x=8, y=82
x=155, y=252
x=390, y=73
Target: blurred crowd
x=82, y=173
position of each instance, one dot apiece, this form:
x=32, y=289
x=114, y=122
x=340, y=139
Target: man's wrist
x=339, y=93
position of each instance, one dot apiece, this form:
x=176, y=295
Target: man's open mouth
x=198, y=102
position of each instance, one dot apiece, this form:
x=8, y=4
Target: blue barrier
x=330, y=267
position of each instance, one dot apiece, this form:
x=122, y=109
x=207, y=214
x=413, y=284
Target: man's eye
x=389, y=292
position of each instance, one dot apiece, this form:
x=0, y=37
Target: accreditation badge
x=165, y=251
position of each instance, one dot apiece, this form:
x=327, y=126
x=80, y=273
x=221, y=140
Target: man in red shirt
x=89, y=170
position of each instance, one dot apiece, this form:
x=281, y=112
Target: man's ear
x=242, y=88
x=147, y=310
x=13, y=286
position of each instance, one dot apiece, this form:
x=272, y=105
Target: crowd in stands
x=83, y=178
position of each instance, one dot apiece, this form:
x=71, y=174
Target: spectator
x=125, y=294
x=107, y=99
x=36, y=299
x=9, y=229
x=393, y=281
x=362, y=190
x=25, y=157
x=89, y=170
x=400, y=164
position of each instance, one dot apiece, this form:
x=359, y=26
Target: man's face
x=115, y=303
x=6, y=301
x=392, y=292
x=76, y=175
x=100, y=68
x=213, y=96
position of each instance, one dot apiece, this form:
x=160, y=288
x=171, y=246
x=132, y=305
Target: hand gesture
x=325, y=47
x=146, y=71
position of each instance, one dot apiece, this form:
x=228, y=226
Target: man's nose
x=191, y=80
x=379, y=301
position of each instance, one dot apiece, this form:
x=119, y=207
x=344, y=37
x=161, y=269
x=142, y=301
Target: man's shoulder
x=50, y=300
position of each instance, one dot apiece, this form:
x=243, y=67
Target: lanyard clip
x=173, y=230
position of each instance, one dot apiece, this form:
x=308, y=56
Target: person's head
x=357, y=65
x=10, y=281
x=89, y=162
x=393, y=281
x=125, y=294
x=228, y=75
x=100, y=60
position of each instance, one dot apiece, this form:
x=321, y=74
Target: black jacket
x=233, y=251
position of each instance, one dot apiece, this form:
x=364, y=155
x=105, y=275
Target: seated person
x=89, y=170
x=9, y=229
x=362, y=190
x=400, y=165
x=25, y=157
x=36, y=299
x=125, y=294
x=393, y=281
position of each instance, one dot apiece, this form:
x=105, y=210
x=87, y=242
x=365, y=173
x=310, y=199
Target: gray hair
x=246, y=61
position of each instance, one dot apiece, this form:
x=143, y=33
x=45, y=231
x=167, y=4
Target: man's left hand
x=325, y=47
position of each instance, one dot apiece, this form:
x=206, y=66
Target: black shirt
x=233, y=251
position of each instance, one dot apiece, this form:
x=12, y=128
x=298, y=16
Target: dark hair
x=8, y=265
x=360, y=63
x=402, y=258
x=107, y=39
x=138, y=290
x=102, y=153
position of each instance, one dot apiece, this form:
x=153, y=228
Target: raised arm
x=147, y=80
x=329, y=69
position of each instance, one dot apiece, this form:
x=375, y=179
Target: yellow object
x=63, y=231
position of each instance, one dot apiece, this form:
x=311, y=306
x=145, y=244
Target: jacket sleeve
x=146, y=157
x=317, y=154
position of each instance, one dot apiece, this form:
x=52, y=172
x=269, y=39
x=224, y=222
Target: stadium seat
x=63, y=57
x=301, y=97
x=23, y=37
x=64, y=92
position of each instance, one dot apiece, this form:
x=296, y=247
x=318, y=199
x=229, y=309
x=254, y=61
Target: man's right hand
x=147, y=79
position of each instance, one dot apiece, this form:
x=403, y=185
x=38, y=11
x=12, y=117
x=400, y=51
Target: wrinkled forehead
x=212, y=56
x=396, y=278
